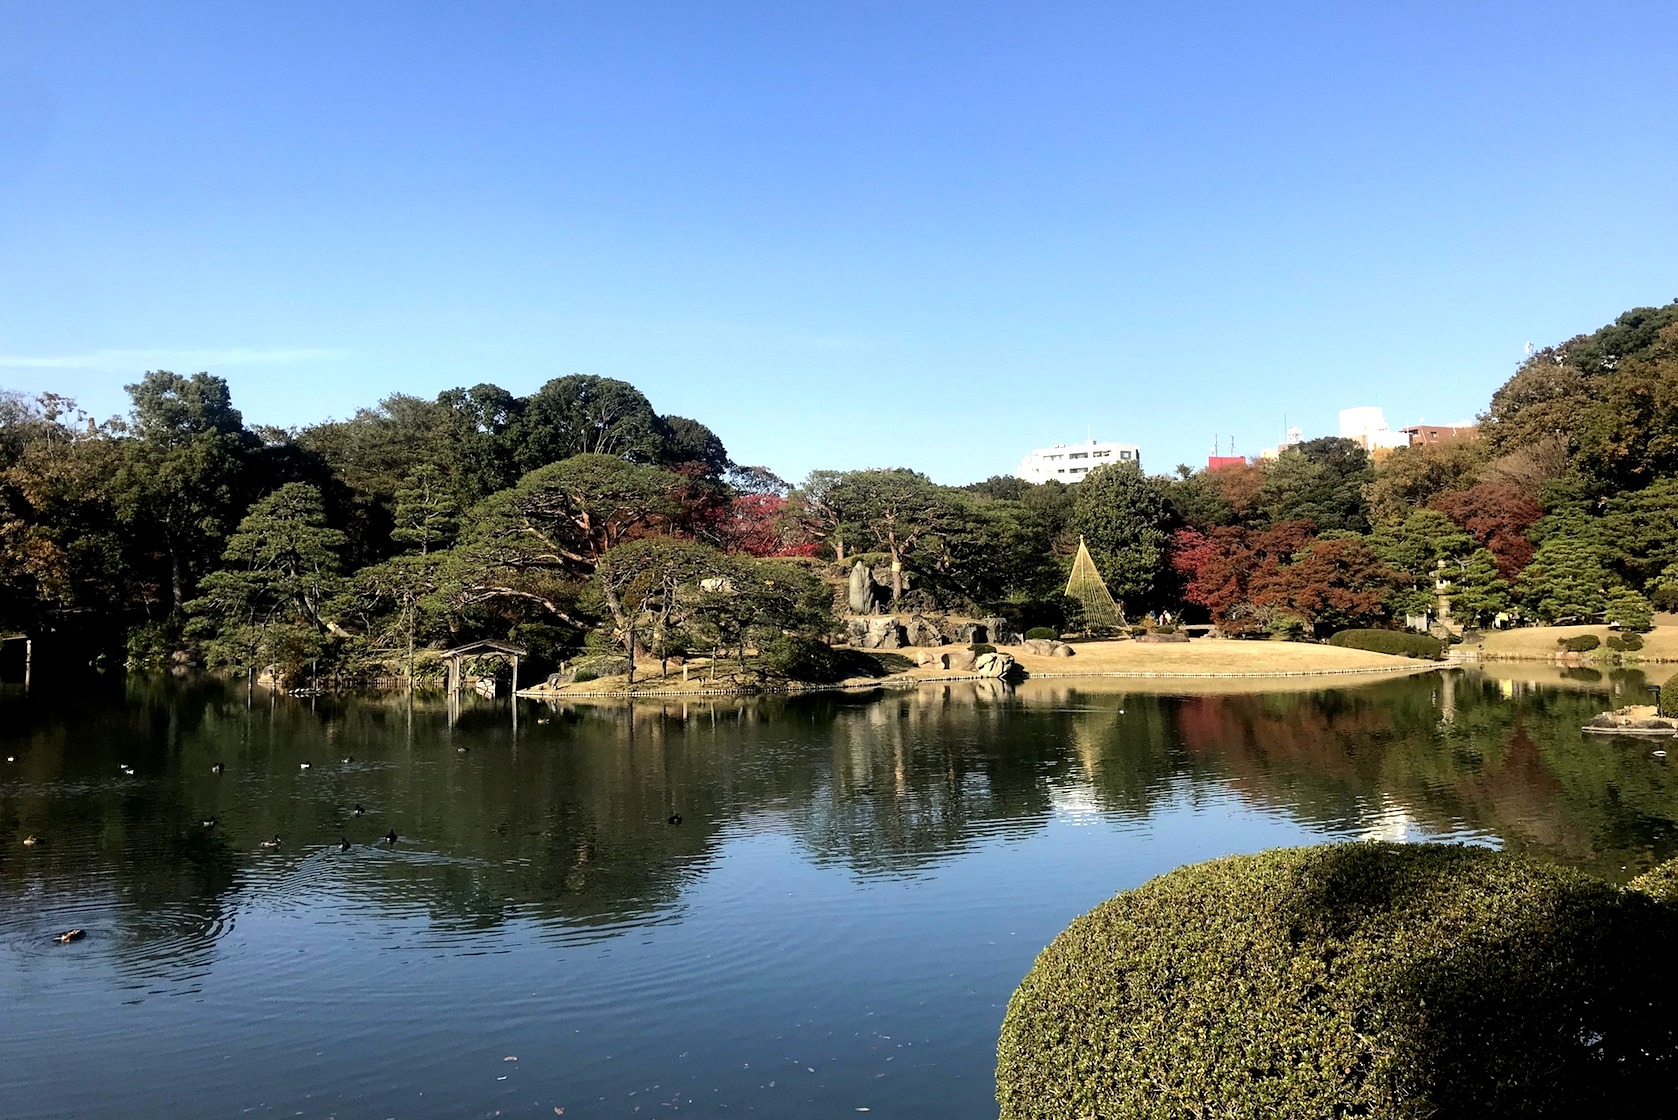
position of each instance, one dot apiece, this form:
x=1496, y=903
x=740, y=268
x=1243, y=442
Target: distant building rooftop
x=1441, y=433
x=1071, y=462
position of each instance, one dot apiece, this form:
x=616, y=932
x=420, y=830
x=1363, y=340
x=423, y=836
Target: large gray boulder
x=1001, y=631
x=962, y=660
x=863, y=594
x=928, y=659
x=923, y=631
x=997, y=665
x=1047, y=647
x=875, y=632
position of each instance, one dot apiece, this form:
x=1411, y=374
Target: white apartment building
x=1368, y=425
x=1071, y=462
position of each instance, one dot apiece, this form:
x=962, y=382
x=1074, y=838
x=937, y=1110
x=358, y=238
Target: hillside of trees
x=579, y=519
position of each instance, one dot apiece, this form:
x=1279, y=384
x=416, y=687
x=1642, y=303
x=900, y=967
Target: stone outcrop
x=1047, y=647
x=998, y=665
x=1162, y=639
x=864, y=595
x=962, y=660
x=924, y=631
x=875, y=632
x=1641, y=719
x=928, y=659
x=1001, y=632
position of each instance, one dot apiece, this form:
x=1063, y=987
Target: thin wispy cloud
x=168, y=359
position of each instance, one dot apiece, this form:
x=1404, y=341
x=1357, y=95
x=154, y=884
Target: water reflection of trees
x=566, y=822
x=1453, y=754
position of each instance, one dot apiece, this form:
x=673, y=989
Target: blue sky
x=842, y=235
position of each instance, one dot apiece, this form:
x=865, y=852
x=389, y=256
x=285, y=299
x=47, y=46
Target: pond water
x=854, y=887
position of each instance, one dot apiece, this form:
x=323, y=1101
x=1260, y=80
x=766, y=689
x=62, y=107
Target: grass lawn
x=1660, y=644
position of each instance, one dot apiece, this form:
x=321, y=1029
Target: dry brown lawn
x=1660, y=644
x=1204, y=657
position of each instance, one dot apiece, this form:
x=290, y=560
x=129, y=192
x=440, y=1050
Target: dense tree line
x=578, y=518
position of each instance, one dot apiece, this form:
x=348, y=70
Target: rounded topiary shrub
x=1037, y=633
x=1668, y=705
x=1579, y=643
x=1373, y=980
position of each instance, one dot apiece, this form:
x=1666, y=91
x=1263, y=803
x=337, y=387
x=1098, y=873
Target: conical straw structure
x=1087, y=586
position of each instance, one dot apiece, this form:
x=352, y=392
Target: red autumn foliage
x=1499, y=518
x=1329, y=583
x=1333, y=584
x=756, y=524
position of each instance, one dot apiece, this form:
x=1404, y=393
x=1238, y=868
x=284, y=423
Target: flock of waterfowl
x=273, y=842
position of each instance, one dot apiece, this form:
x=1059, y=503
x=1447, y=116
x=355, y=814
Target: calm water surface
x=855, y=886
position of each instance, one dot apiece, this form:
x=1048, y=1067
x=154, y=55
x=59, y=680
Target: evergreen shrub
x=1668, y=705
x=1625, y=643
x=982, y=647
x=1395, y=642
x=801, y=658
x=1579, y=643
x=1041, y=632
x=1370, y=979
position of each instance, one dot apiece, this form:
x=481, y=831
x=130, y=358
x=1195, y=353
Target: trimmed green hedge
x=1396, y=642
x=1041, y=632
x=1370, y=979
x=1579, y=643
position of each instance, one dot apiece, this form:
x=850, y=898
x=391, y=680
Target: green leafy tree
x=481, y=440
x=901, y=513
x=1565, y=580
x=1638, y=531
x=279, y=570
x=180, y=484
x=1628, y=610
x=688, y=441
x=392, y=604
x=541, y=540
x=427, y=513
x=1321, y=481
x=1419, y=549
x=642, y=584
x=585, y=415
x=755, y=602
x=1478, y=591
x=814, y=510
x=1122, y=516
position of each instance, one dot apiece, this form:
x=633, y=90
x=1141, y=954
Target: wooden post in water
x=515, y=694
x=28, y=661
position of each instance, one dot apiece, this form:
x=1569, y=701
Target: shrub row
x=1627, y=642
x=1395, y=642
x=1579, y=643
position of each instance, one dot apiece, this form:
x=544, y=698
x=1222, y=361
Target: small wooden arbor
x=505, y=650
